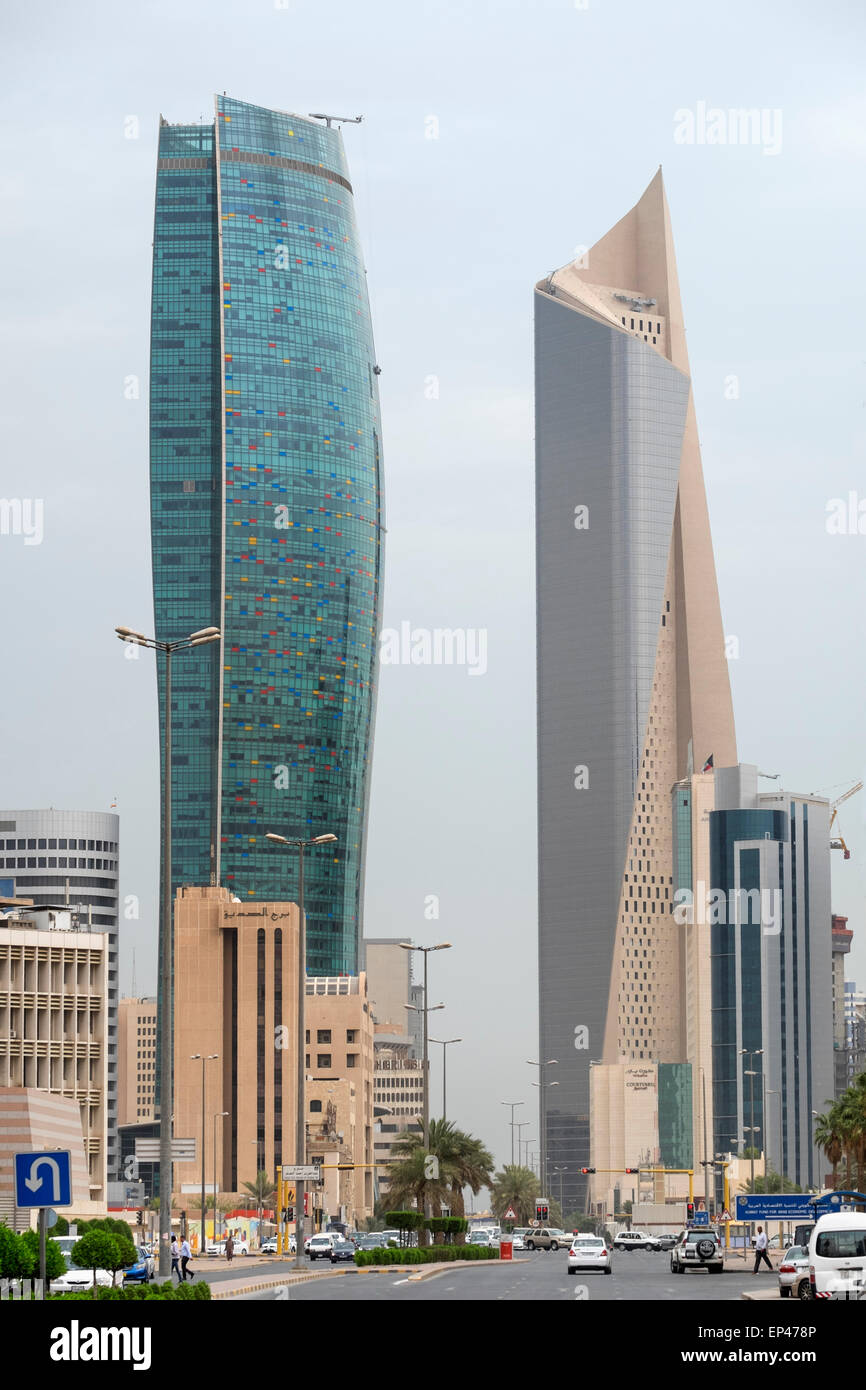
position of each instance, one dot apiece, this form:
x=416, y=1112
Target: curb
x=273, y=1282
x=762, y=1296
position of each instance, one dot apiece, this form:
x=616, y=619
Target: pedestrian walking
x=185, y=1257
x=230, y=1250
x=175, y=1259
x=761, y=1251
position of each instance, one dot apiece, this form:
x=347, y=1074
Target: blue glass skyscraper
x=266, y=508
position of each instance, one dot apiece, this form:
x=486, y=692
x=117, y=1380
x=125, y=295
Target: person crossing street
x=761, y=1251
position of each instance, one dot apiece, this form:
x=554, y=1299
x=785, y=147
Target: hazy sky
x=549, y=120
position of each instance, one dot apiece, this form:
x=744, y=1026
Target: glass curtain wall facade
x=267, y=515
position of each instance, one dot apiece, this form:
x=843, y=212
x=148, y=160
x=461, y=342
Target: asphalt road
x=542, y=1276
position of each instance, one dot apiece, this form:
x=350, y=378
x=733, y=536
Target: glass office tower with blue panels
x=266, y=504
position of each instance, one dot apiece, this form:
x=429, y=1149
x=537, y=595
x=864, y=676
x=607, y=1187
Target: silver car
x=795, y=1263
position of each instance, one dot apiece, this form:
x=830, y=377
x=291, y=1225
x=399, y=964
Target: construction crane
x=344, y=120
x=838, y=842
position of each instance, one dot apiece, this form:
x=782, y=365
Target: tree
x=771, y=1182
x=55, y=1264
x=95, y=1250
x=463, y=1162
x=264, y=1192
x=16, y=1260
x=517, y=1187
x=829, y=1140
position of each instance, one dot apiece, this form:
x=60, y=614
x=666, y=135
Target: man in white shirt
x=185, y=1257
x=761, y=1251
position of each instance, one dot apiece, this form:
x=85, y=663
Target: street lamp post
x=759, y=1052
x=196, y=1057
x=220, y=1115
x=560, y=1172
x=551, y=1062
x=301, y=1135
x=781, y=1139
x=166, y=1062
x=445, y=1043
x=513, y=1105
x=521, y=1124
x=425, y=950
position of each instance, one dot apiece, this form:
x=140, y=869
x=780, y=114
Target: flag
x=708, y=765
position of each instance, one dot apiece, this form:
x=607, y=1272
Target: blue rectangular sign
x=775, y=1206
x=702, y=1218
x=44, y=1179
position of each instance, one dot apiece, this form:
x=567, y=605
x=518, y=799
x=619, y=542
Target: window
x=323, y=1060
x=351, y=1059
x=323, y=1035
x=351, y=1034
x=315, y=1107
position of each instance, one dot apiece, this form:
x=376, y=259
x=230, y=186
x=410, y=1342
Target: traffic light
x=632, y=1170
x=290, y=1214
x=592, y=1170
x=139, y=1218
x=542, y=1211
x=690, y=1211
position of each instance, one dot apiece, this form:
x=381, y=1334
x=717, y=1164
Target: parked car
x=76, y=1280
x=548, y=1238
x=142, y=1271
x=342, y=1250
x=269, y=1247
x=218, y=1247
x=589, y=1252
x=636, y=1240
x=795, y=1264
x=837, y=1256
x=699, y=1247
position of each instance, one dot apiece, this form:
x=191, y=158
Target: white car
x=795, y=1264
x=517, y=1241
x=837, y=1256
x=76, y=1280
x=320, y=1246
x=589, y=1252
x=241, y=1247
x=636, y=1240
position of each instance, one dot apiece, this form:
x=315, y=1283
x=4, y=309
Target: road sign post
x=44, y=1180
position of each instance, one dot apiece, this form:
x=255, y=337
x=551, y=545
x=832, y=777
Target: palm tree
x=408, y=1182
x=517, y=1187
x=828, y=1139
x=463, y=1162
x=264, y=1192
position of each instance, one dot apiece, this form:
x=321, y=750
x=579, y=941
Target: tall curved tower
x=266, y=506
x=633, y=688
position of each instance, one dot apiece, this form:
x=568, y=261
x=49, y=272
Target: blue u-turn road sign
x=44, y=1179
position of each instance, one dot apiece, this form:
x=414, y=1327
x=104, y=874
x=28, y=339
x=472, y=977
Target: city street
x=542, y=1276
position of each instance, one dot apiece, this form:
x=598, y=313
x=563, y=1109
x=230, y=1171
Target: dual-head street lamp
x=441, y=946
x=301, y=1122
x=166, y=1058
x=550, y=1062
x=204, y=1059
x=445, y=1043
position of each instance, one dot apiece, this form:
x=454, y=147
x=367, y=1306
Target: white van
x=837, y=1256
